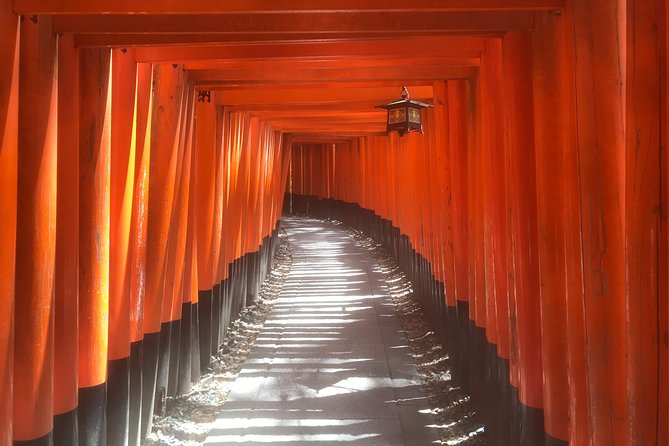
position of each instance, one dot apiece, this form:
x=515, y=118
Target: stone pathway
x=330, y=366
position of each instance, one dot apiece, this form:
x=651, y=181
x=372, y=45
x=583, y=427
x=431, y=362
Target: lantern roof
x=401, y=102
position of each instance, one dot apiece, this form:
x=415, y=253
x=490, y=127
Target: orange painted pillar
x=168, y=328
x=457, y=125
x=217, y=223
x=204, y=178
x=442, y=183
x=663, y=264
x=189, y=357
x=559, y=228
x=35, y=233
x=459, y=144
x=9, y=111
x=642, y=222
x=477, y=269
x=67, y=247
x=123, y=146
x=523, y=233
x=476, y=341
x=138, y=241
x=224, y=260
x=162, y=176
x=494, y=152
x=600, y=114
x=94, y=219
x=180, y=228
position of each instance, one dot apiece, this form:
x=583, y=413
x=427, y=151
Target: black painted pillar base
x=163, y=370
x=46, y=440
x=215, y=318
x=195, y=343
x=204, y=314
x=531, y=427
x=66, y=429
x=175, y=341
x=135, y=405
x=118, y=402
x=92, y=415
x=149, y=370
x=184, y=365
x=225, y=308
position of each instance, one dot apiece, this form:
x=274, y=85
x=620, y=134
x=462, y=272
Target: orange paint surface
x=139, y=223
x=35, y=232
x=123, y=157
x=67, y=231
x=94, y=214
x=9, y=105
x=162, y=180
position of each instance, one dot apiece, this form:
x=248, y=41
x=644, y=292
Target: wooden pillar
x=458, y=142
x=444, y=183
x=9, y=111
x=123, y=146
x=67, y=247
x=217, y=226
x=35, y=233
x=663, y=264
x=188, y=348
x=94, y=215
x=167, y=323
x=600, y=119
x=205, y=176
x=459, y=138
x=477, y=306
x=643, y=173
x=138, y=242
x=179, y=233
x=559, y=233
x=162, y=177
x=522, y=201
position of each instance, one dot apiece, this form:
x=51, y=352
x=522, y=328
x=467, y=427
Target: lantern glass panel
x=414, y=115
x=396, y=115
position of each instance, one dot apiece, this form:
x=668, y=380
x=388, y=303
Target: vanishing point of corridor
x=331, y=365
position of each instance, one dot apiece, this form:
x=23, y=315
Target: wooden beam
x=443, y=46
x=270, y=6
x=346, y=106
x=313, y=23
x=242, y=85
x=305, y=96
x=402, y=73
x=300, y=64
x=143, y=39
x=324, y=113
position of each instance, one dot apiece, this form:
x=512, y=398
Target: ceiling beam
x=405, y=73
x=242, y=85
x=308, y=64
x=143, y=39
x=311, y=23
x=348, y=105
x=274, y=96
x=271, y=6
x=443, y=46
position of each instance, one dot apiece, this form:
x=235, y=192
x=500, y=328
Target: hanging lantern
x=404, y=115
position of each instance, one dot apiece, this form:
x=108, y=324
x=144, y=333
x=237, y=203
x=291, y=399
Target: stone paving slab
x=331, y=365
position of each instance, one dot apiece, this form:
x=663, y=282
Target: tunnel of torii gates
x=138, y=215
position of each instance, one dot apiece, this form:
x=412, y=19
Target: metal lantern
x=404, y=115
